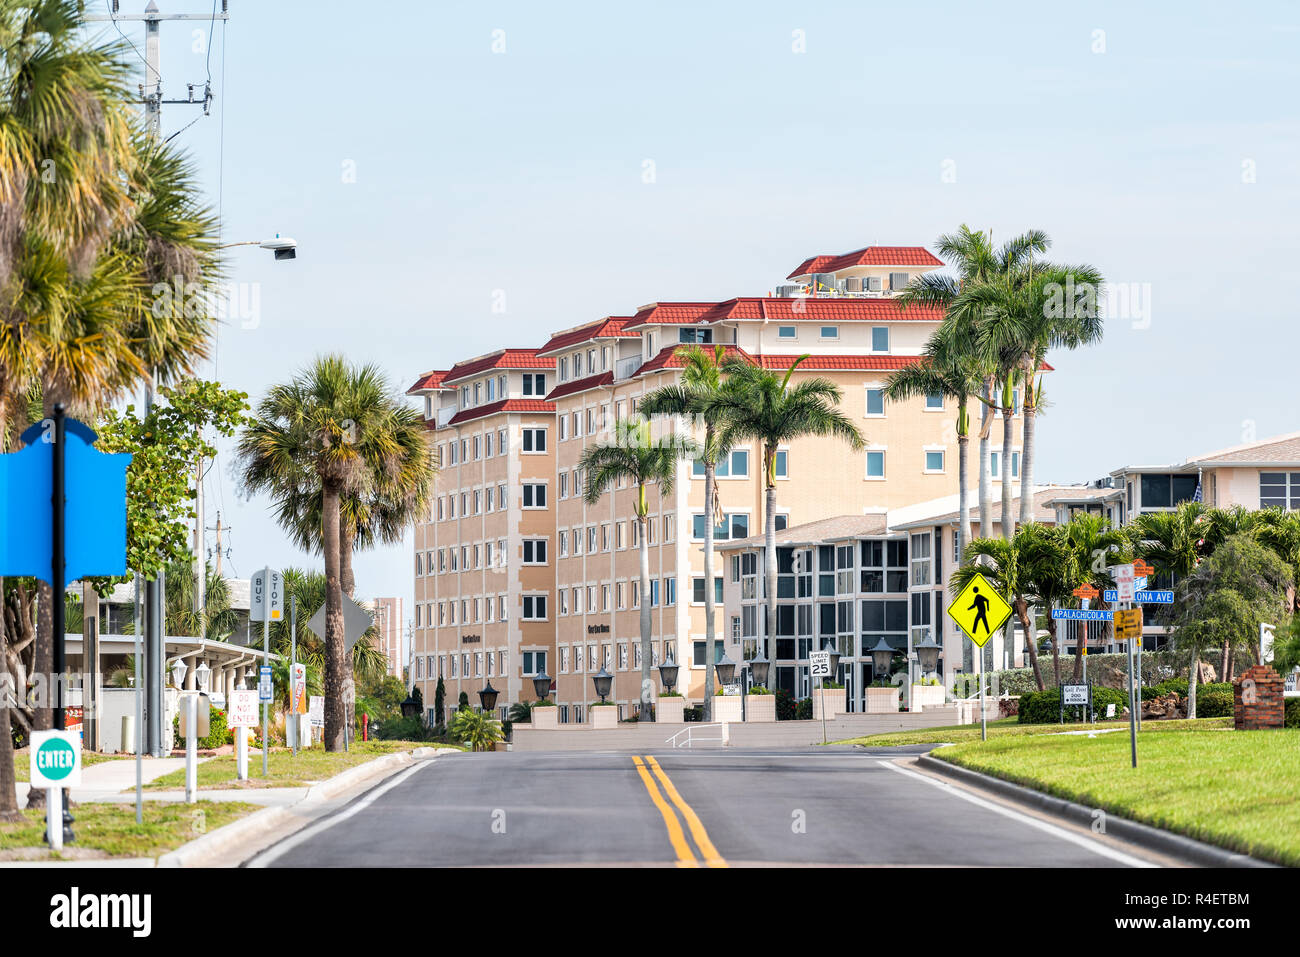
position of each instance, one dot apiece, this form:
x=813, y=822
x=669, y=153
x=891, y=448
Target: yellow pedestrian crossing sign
x=979, y=610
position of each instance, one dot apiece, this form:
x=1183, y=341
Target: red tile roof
x=580, y=385
x=492, y=408
x=868, y=256
x=501, y=359
x=611, y=327
x=428, y=382
x=668, y=357
x=758, y=308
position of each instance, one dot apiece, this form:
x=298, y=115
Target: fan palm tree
x=947, y=369
x=219, y=620
x=999, y=560
x=324, y=426
x=761, y=404
x=1085, y=536
x=476, y=728
x=307, y=589
x=699, y=394
x=638, y=458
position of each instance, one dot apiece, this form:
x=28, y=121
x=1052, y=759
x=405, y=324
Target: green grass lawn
x=1238, y=789
x=23, y=762
x=110, y=829
x=1010, y=727
x=286, y=771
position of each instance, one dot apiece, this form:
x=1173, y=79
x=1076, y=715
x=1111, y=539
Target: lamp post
x=410, y=706
x=542, y=685
x=203, y=675
x=927, y=655
x=602, y=680
x=668, y=674
x=724, y=669
x=179, y=667
x=488, y=697
x=881, y=657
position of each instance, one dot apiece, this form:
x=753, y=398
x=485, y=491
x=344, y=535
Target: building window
x=875, y=465
x=786, y=332
x=534, y=608
x=534, y=551
x=1276, y=490
x=880, y=338
x=534, y=495
x=564, y=485
x=534, y=440
x=534, y=384
x=898, y=280
x=830, y=332
x=1166, y=491
x=782, y=463
x=695, y=335
x=697, y=652
x=995, y=459
x=534, y=663
x=934, y=400
x=734, y=525
x=697, y=590
x=933, y=461
x=875, y=402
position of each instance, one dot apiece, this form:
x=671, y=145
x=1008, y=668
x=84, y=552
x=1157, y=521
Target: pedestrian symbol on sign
x=979, y=610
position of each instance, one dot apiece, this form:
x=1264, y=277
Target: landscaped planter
x=833, y=700
x=545, y=718
x=726, y=707
x=883, y=700
x=760, y=707
x=603, y=716
x=927, y=696
x=670, y=710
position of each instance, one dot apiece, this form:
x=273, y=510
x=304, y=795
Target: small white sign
x=316, y=711
x=56, y=759
x=1110, y=710
x=1124, y=581
x=1075, y=695
x=265, y=687
x=243, y=710
x=819, y=664
x=266, y=596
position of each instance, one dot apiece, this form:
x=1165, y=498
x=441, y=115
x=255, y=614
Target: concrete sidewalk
x=107, y=780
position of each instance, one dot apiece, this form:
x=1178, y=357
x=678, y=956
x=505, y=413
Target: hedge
x=218, y=733
x=1292, y=719
x=1044, y=707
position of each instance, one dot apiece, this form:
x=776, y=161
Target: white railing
x=693, y=734
x=444, y=416
x=624, y=368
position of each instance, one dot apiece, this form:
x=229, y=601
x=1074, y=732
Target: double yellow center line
x=685, y=855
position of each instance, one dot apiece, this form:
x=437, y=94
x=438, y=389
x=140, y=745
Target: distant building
x=389, y=623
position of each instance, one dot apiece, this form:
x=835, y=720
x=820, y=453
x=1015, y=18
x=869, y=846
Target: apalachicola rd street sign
x=979, y=610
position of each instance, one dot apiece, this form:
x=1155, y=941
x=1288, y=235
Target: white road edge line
x=272, y=854
x=1096, y=847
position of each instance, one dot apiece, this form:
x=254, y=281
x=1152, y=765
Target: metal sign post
x=978, y=614
x=293, y=661
x=1126, y=593
x=819, y=666
x=266, y=605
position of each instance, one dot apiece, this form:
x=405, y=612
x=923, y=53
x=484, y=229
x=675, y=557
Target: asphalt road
x=686, y=809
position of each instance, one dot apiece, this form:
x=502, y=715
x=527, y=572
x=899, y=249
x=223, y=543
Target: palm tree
x=307, y=589
x=638, y=458
x=999, y=561
x=221, y=619
x=326, y=426
x=476, y=728
x=1086, y=535
x=762, y=405
x=1173, y=543
x=946, y=369
x=1279, y=530
x=699, y=394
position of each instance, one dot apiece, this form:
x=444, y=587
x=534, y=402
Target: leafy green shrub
x=399, y=729
x=1292, y=719
x=803, y=709
x=758, y=689
x=1044, y=707
x=695, y=713
x=521, y=712
x=218, y=733
x=670, y=694
x=1214, y=700
x=785, y=705
x=834, y=686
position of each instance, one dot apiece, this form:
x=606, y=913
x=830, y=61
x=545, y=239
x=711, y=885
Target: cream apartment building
x=484, y=577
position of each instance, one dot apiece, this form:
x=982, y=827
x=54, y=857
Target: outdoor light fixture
x=881, y=657
x=488, y=696
x=202, y=675
x=542, y=685
x=927, y=653
x=668, y=674
x=410, y=706
x=759, y=668
x=835, y=659
x=725, y=669
x=179, y=667
x=602, y=679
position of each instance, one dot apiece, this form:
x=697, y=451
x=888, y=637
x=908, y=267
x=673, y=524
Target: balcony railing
x=625, y=368
x=444, y=415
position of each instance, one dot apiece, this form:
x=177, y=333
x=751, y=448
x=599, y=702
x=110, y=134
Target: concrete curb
x=262, y=822
x=1143, y=835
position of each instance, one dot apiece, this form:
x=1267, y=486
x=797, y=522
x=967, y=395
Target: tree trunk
x=646, y=652
x=1225, y=661
x=709, y=481
x=769, y=573
x=963, y=494
x=1028, y=423
x=335, y=669
x=8, y=780
x=1008, y=517
x=1192, y=676
x=985, y=482
x=1031, y=645
x=348, y=585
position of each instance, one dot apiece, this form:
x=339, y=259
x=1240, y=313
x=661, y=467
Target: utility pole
x=152, y=99
x=218, y=528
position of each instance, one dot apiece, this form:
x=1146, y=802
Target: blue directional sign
x=1154, y=597
x=94, y=508
x=1079, y=614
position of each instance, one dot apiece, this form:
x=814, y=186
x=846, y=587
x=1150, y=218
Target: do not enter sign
x=56, y=759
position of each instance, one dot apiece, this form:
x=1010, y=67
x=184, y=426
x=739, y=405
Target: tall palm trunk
x=8, y=779
x=1031, y=647
x=348, y=585
x=646, y=653
x=963, y=480
x=986, y=482
x=1028, y=422
x=335, y=668
x=708, y=578
x=769, y=557
x=1008, y=518
x=1193, y=675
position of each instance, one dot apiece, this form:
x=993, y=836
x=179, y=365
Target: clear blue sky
x=522, y=171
